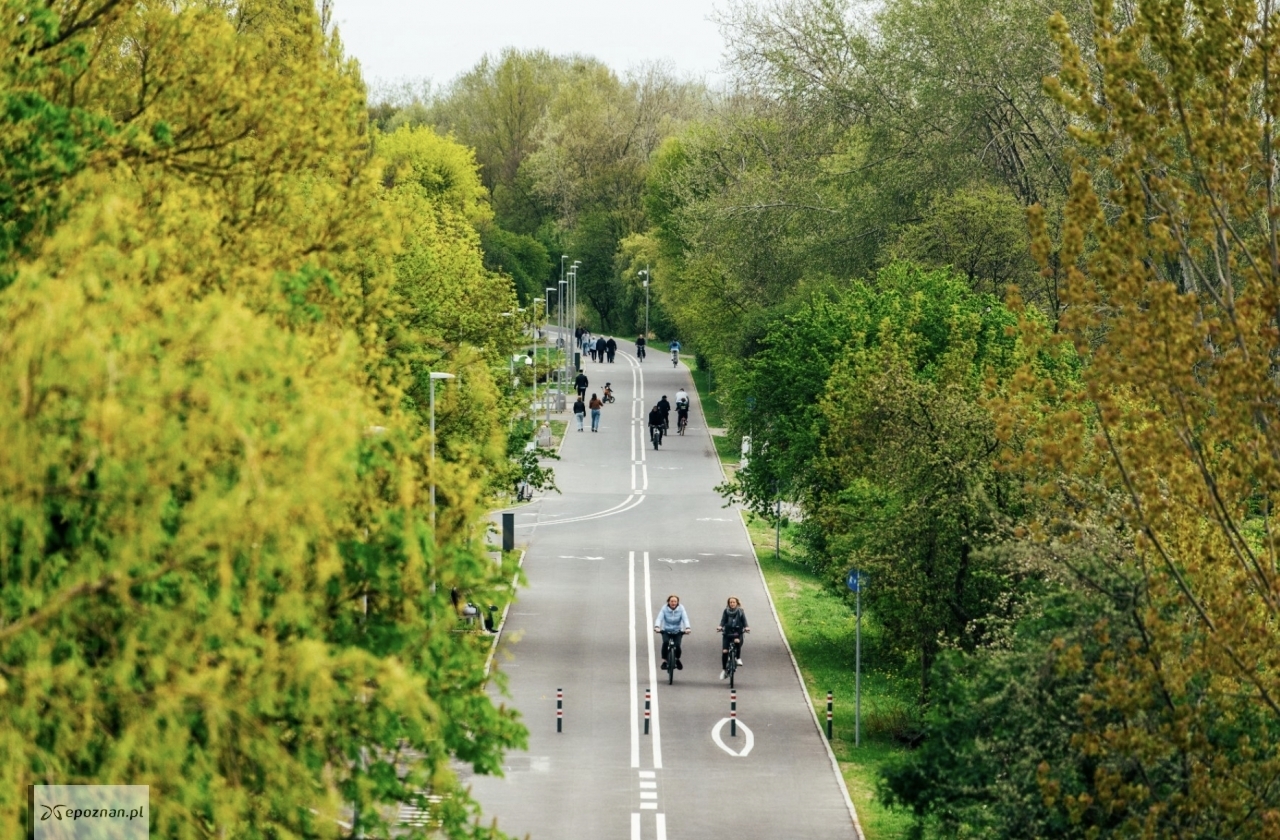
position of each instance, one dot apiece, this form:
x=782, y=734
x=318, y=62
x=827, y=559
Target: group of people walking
x=581, y=404
x=599, y=348
x=673, y=623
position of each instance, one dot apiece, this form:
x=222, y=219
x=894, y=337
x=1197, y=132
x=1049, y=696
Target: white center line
x=653, y=667
x=635, y=683
x=662, y=826
x=635, y=826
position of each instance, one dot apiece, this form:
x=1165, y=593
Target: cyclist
x=733, y=624
x=682, y=409
x=675, y=353
x=656, y=421
x=640, y=342
x=665, y=407
x=672, y=623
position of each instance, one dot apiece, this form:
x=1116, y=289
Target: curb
x=835, y=764
x=497, y=634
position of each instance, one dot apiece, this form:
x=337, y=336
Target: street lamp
x=432, y=388
x=534, y=319
x=645, y=272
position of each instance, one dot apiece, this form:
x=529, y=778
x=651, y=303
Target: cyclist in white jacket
x=672, y=623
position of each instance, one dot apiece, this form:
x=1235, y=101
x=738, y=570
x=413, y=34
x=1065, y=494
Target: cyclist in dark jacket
x=733, y=626
x=656, y=421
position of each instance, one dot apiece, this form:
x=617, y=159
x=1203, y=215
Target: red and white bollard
x=733, y=713
x=559, y=709
x=646, y=711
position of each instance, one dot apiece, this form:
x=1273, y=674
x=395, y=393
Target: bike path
x=633, y=525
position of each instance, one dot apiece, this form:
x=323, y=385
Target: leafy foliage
x=220, y=575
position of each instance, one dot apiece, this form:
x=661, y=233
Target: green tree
x=219, y=572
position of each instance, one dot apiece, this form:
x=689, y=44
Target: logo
x=51, y=811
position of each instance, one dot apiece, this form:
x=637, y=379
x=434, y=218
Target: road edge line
x=813, y=715
x=497, y=633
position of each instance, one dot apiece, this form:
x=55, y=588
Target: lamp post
x=534, y=327
x=645, y=273
x=560, y=299
x=432, y=389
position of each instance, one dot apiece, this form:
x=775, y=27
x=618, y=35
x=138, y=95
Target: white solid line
x=635, y=826
x=648, y=794
x=633, y=470
x=613, y=511
x=646, y=476
x=651, y=805
x=634, y=684
x=750, y=739
x=653, y=667
x=662, y=826
x=804, y=690
x=647, y=774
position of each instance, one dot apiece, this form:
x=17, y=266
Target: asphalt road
x=631, y=526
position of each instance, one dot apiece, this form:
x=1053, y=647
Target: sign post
x=856, y=581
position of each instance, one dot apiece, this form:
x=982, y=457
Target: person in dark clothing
x=580, y=382
x=610, y=347
x=733, y=626
x=577, y=334
x=640, y=344
x=656, y=421
x=600, y=348
x=579, y=411
x=665, y=408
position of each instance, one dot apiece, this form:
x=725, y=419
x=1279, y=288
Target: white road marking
x=578, y=557
x=649, y=785
x=635, y=683
x=673, y=560
x=653, y=667
x=635, y=826
x=648, y=794
x=633, y=472
x=705, y=554
x=651, y=805
x=742, y=727
x=645, y=468
x=647, y=774
x=714, y=519
x=662, y=826
x=613, y=511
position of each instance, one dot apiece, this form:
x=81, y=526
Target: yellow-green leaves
x=217, y=572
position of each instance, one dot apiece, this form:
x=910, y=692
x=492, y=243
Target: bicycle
x=655, y=434
x=640, y=352
x=671, y=645
x=731, y=666
x=675, y=358
x=682, y=423
x=524, y=491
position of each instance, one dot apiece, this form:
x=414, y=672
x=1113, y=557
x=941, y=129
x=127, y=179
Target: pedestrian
x=592, y=350
x=580, y=382
x=600, y=345
x=611, y=347
x=596, y=405
x=580, y=411
x=733, y=626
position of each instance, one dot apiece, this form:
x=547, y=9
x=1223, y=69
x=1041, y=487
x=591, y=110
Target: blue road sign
x=856, y=580
x=751, y=403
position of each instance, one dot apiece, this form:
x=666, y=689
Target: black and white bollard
x=828, y=715
x=733, y=713
x=559, y=709
x=646, y=711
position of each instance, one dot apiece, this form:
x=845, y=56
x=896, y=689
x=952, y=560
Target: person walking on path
x=733, y=626
x=596, y=405
x=580, y=382
x=610, y=347
x=579, y=411
x=591, y=349
x=600, y=345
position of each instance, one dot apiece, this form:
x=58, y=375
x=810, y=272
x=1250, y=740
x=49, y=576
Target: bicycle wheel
x=671, y=661
x=732, y=665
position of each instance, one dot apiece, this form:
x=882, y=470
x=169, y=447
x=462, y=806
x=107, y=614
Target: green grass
x=710, y=402
x=820, y=629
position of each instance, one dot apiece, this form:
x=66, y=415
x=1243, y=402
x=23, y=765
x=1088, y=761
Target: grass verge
x=728, y=448
x=820, y=629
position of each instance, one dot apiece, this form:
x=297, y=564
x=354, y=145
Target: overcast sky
x=439, y=39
